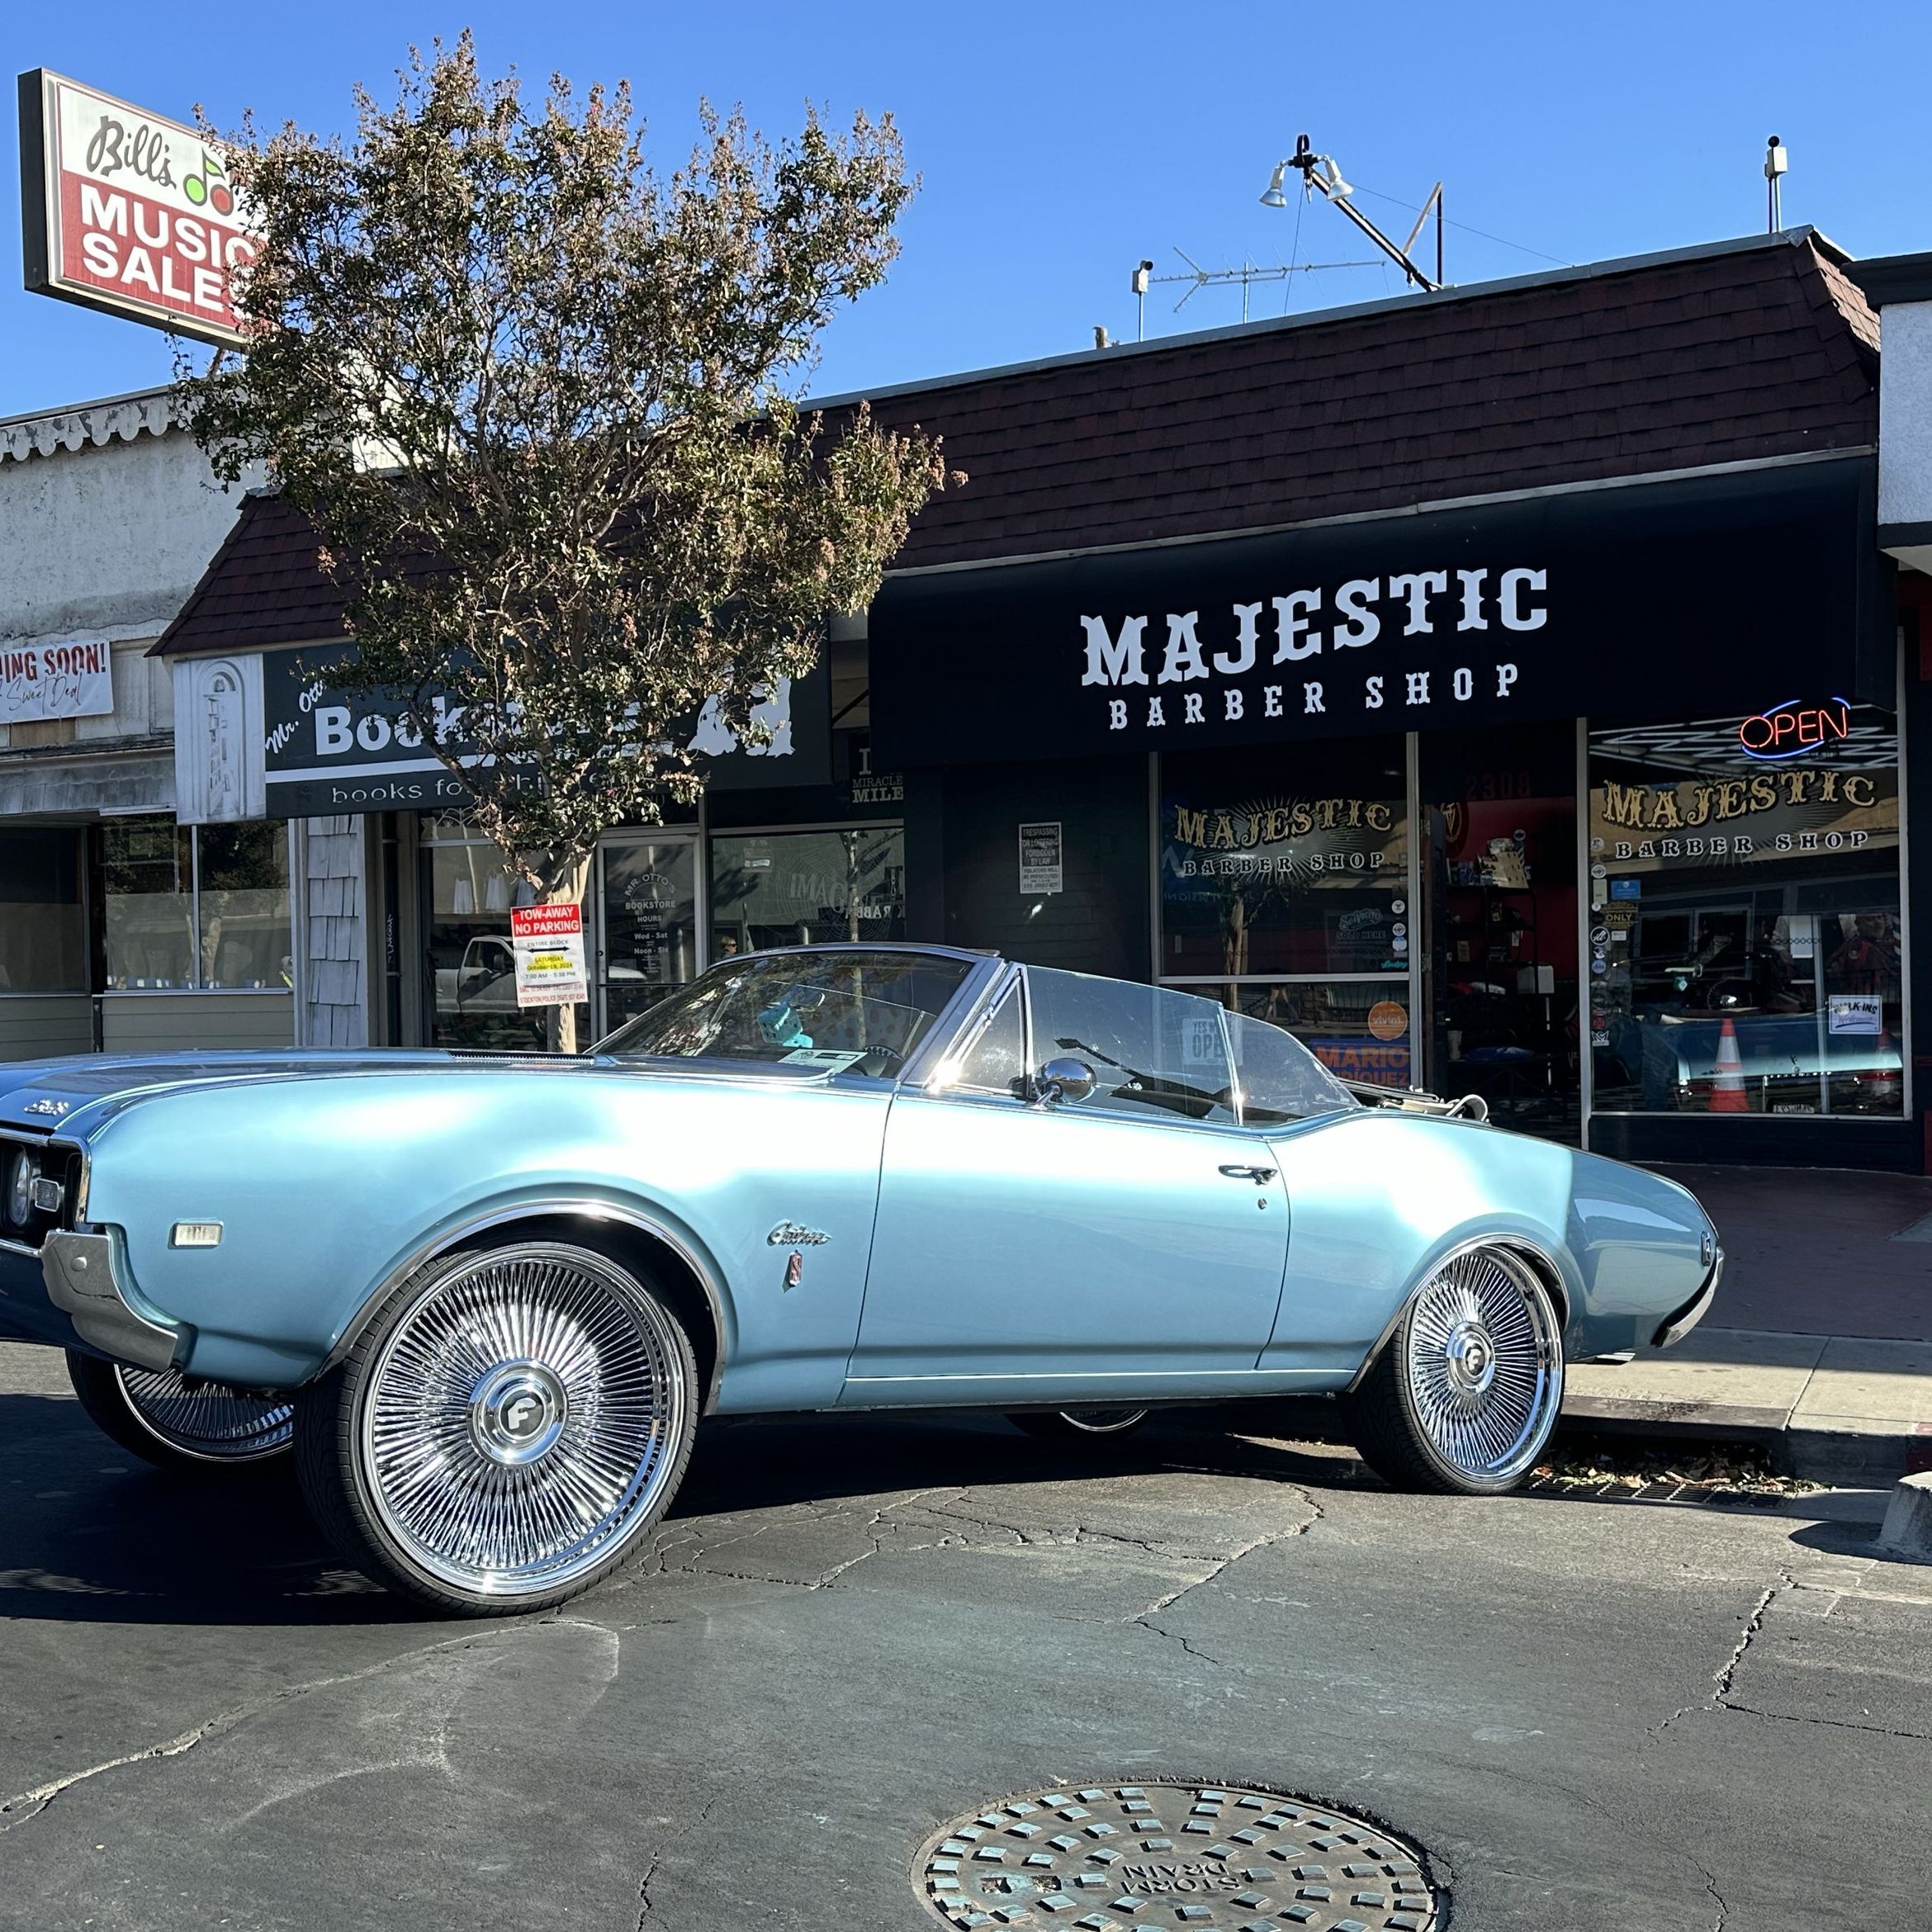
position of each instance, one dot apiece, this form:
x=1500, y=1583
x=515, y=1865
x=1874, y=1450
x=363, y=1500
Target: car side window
x=995, y=1058
x=1156, y=1054
x=1279, y=1078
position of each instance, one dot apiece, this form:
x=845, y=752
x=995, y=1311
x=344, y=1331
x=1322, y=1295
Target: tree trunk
x=562, y=1028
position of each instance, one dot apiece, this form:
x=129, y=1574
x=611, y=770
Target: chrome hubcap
x=522, y=1418
x=204, y=1419
x=518, y=1411
x=1472, y=1357
x=1485, y=1361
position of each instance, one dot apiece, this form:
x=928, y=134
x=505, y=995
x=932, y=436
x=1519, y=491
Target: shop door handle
x=1259, y=1176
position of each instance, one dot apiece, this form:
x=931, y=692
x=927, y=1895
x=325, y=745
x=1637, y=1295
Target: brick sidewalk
x=1820, y=1251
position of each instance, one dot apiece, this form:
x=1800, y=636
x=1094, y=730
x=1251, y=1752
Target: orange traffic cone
x=1727, y=1088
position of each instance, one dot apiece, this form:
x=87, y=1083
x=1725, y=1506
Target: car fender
x=330, y=1190
x=1379, y=1200
x=600, y=1212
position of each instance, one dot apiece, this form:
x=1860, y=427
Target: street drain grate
x=1103, y=1857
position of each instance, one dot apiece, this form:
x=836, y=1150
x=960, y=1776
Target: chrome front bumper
x=85, y=1280
x=1677, y=1326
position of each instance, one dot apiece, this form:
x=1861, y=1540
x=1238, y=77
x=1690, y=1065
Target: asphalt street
x=1587, y=1714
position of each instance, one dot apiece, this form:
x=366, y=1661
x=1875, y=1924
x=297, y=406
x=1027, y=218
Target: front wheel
x=177, y=1422
x=1083, y=1426
x=507, y=1431
x=1463, y=1394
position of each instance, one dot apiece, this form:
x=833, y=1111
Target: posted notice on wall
x=549, y=944
x=1042, y=855
x=1857, y=1013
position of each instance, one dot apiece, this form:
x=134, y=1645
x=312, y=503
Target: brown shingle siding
x=1744, y=354
x=1754, y=350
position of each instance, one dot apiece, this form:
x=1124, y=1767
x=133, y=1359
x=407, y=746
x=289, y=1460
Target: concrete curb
x=1846, y=1410
x=1857, y=1454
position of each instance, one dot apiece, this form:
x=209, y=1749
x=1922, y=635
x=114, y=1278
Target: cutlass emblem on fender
x=58, y=1107
x=790, y=1234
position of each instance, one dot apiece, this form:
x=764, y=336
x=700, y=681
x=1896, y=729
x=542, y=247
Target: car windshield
x=846, y=1012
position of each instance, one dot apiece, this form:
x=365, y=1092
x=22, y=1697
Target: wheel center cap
x=518, y=1411
x=1472, y=1359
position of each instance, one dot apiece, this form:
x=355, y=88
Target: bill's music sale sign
x=125, y=211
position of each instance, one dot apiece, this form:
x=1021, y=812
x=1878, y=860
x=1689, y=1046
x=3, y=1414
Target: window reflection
x=1746, y=931
x=43, y=930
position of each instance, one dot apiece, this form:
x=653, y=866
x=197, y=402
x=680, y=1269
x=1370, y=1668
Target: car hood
x=44, y=1094
x=53, y=1096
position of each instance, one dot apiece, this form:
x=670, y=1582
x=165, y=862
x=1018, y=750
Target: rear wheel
x=506, y=1433
x=1086, y=1426
x=177, y=1422
x=1463, y=1396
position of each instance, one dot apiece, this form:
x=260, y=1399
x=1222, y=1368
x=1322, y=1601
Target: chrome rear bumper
x=1677, y=1326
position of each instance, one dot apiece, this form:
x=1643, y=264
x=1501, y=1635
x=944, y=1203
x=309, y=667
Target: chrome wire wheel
x=178, y=1423
x=1090, y=1425
x=523, y=1418
x=1482, y=1356
x=205, y=1421
x=1102, y=1422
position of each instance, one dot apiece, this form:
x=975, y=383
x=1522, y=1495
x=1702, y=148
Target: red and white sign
x=40, y=681
x=549, y=945
x=130, y=213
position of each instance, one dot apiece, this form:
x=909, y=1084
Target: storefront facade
x=1627, y=849
x=120, y=929
x=1559, y=751
x=1504, y=689
x=404, y=912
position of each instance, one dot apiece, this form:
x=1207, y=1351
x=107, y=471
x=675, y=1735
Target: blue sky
x=1059, y=144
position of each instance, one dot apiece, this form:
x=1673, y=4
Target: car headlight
x=20, y=1187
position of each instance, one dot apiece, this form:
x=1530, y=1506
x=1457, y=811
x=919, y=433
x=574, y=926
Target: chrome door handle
x=1258, y=1175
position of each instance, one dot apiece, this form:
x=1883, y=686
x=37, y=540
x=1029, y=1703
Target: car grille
x=28, y=1217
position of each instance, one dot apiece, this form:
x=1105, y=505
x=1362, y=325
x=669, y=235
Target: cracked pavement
x=1590, y=1714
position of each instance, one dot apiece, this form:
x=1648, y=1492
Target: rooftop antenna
x=1319, y=174
x=1777, y=164
x=1142, y=272
x=1197, y=278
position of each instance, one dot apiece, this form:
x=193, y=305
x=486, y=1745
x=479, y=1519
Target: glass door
x=648, y=921
x=1501, y=898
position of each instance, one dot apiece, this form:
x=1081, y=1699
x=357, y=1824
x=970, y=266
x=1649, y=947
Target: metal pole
x=1438, y=237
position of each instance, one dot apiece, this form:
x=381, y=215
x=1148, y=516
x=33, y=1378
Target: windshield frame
x=983, y=968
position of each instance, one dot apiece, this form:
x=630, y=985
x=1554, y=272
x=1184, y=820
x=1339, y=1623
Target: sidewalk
x=1820, y=1343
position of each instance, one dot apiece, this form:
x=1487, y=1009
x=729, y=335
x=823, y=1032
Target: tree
x=532, y=395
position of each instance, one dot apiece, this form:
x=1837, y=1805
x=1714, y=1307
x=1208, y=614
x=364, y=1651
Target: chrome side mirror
x=1064, y=1080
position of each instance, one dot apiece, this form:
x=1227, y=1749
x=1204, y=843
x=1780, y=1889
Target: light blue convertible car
x=485, y=1299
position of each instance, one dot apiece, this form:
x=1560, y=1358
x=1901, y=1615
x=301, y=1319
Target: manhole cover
x=1118, y=1855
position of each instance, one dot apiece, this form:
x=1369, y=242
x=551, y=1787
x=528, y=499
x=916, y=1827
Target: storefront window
x=803, y=888
x=472, y=963
x=43, y=930
x=162, y=933
x=1284, y=886
x=650, y=909
x=243, y=899
x=149, y=873
x=1744, y=915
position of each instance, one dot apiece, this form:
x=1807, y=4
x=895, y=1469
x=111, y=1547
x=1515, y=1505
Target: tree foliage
x=533, y=395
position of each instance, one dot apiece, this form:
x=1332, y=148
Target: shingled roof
x=1734, y=353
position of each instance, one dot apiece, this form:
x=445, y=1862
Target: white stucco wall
x=108, y=516
x=1904, y=415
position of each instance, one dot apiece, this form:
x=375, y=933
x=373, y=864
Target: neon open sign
x=1790, y=729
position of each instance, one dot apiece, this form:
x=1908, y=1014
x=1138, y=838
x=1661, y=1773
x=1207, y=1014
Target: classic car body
x=831, y=1229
